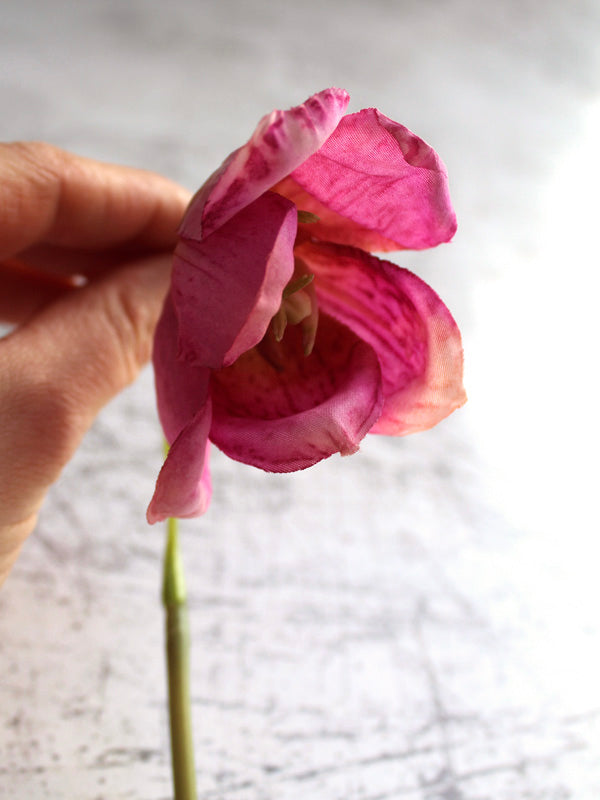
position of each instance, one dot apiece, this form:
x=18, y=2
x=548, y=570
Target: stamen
x=307, y=216
x=279, y=323
x=299, y=306
x=309, y=335
x=295, y=285
x=269, y=349
x=310, y=324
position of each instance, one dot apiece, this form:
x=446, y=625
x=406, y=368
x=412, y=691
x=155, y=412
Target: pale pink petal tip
x=417, y=341
x=183, y=488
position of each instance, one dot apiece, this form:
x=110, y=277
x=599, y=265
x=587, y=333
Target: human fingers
x=24, y=291
x=51, y=197
x=57, y=261
x=57, y=371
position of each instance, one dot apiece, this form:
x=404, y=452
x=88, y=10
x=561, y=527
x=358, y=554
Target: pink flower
x=283, y=340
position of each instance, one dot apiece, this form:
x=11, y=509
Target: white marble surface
x=419, y=621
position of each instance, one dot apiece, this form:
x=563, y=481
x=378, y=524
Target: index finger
x=50, y=196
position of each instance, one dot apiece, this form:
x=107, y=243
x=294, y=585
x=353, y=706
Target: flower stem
x=178, y=667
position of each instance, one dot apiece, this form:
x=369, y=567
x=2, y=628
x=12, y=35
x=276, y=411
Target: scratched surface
x=419, y=621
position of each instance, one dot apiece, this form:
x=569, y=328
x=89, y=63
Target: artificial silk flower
x=283, y=340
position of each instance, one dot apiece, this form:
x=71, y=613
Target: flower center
x=298, y=307
x=299, y=304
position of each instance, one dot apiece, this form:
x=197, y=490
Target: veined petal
x=282, y=411
x=280, y=143
x=331, y=226
x=378, y=176
x=227, y=287
x=414, y=335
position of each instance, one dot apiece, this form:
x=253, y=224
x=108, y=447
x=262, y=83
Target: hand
x=84, y=268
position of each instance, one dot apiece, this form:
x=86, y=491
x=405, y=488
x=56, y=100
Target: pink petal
x=413, y=333
x=332, y=227
x=181, y=387
x=227, y=287
x=379, y=176
x=280, y=143
x=183, y=488
x=281, y=411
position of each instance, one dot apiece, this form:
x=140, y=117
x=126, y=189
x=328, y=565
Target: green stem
x=178, y=667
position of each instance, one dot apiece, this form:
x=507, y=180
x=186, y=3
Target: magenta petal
x=181, y=388
x=414, y=335
x=227, y=287
x=183, y=488
x=280, y=143
x=281, y=411
x=332, y=227
x=379, y=176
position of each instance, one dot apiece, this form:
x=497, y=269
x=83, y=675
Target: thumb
x=56, y=373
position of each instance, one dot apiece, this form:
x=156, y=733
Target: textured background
x=419, y=621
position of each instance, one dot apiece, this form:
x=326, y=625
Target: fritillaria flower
x=283, y=340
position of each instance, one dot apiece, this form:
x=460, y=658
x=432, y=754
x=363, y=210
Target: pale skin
x=74, y=346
